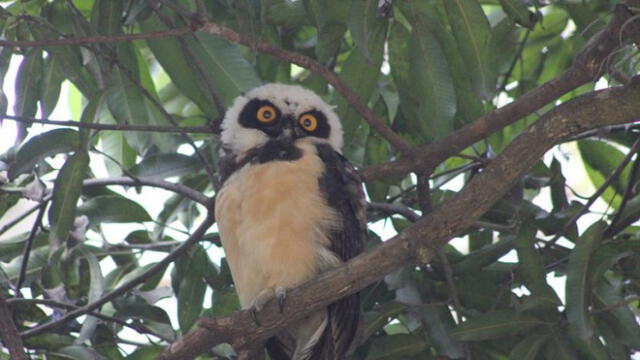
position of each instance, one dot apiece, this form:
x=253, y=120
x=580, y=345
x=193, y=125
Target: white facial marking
x=291, y=100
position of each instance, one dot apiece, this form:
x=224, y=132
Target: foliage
x=426, y=67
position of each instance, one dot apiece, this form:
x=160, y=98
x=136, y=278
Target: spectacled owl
x=290, y=207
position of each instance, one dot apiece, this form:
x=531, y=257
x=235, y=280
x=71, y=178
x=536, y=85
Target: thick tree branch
x=592, y=110
x=588, y=66
x=9, y=333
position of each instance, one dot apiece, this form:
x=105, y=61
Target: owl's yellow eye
x=308, y=122
x=266, y=114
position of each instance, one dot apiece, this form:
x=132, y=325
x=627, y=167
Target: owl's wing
x=343, y=189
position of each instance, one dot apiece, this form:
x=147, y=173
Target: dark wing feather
x=343, y=190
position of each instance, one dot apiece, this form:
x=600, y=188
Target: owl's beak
x=290, y=131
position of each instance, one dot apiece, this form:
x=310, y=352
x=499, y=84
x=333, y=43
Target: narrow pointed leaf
x=436, y=96
x=399, y=346
x=166, y=165
x=226, y=67
x=51, y=83
x=495, y=325
x=41, y=146
x=518, y=11
x=473, y=35
x=96, y=289
x=28, y=84
x=113, y=209
x=528, y=348
x=66, y=191
x=578, y=288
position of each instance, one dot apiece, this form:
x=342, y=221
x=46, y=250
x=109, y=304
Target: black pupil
x=266, y=114
x=307, y=122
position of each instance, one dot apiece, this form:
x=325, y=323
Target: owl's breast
x=273, y=221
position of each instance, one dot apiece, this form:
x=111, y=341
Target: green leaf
x=484, y=256
x=377, y=319
x=376, y=152
x=600, y=160
x=361, y=75
x=146, y=353
x=166, y=165
x=530, y=260
x=226, y=67
x=435, y=93
x=11, y=247
x=114, y=144
x=48, y=341
x=399, y=346
x=89, y=116
x=28, y=84
x=558, y=190
x=41, y=146
x=190, y=300
x=518, y=11
x=577, y=286
x=362, y=23
x=183, y=74
x=621, y=319
x=288, y=14
x=96, y=289
x=329, y=41
x=126, y=101
x=528, y=348
x=224, y=302
x=495, y=325
x=439, y=324
x=51, y=83
x=113, y=209
x=472, y=32
x=66, y=191
x=107, y=17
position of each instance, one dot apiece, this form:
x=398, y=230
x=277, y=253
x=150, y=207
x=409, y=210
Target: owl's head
x=278, y=111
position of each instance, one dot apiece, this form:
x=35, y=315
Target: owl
x=290, y=207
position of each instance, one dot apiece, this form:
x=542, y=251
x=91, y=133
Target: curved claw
x=281, y=295
x=254, y=316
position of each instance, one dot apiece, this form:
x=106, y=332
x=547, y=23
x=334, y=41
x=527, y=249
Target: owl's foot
x=279, y=293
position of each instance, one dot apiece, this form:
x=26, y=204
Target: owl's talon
x=281, y=295
x=254, y=316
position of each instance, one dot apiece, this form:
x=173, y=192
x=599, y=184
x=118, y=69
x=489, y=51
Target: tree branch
x=9, y=333
x=161, y=265
x=99, y=38
x=116, y=127
x=315, y=67
x=177, y=188
x=587, y=66
x=595, y=109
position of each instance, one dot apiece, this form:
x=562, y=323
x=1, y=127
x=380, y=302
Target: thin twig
x=115, y=293
x=628, y=194
x=27, y=248
x=99, y=38
x=191, y=56
x=21, y=217
x=624, y=302
x=614, y=175
x=114, y=127
x=205, y=162
x=55, y=304
x=177, y=188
